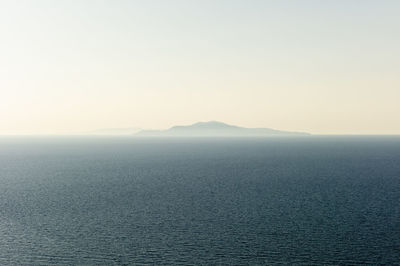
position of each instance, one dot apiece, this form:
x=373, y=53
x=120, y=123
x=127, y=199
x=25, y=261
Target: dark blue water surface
x=88, y=200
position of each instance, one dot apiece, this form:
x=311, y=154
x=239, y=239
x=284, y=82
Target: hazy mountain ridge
x=217, y=129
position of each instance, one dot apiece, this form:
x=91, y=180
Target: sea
x=312, y=200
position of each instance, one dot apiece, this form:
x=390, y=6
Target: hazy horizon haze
x=310, y=66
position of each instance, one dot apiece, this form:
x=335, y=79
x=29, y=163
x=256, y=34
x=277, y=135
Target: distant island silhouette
x=216, y=129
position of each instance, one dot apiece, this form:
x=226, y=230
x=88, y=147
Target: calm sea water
x=87, y=200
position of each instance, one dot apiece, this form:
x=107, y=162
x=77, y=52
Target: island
x=215, y=129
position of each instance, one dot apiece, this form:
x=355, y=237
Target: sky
x=324, y=67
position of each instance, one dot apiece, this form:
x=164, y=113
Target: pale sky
x=324, y=67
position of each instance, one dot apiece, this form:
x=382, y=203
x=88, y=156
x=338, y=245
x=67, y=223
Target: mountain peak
x=209, y=124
